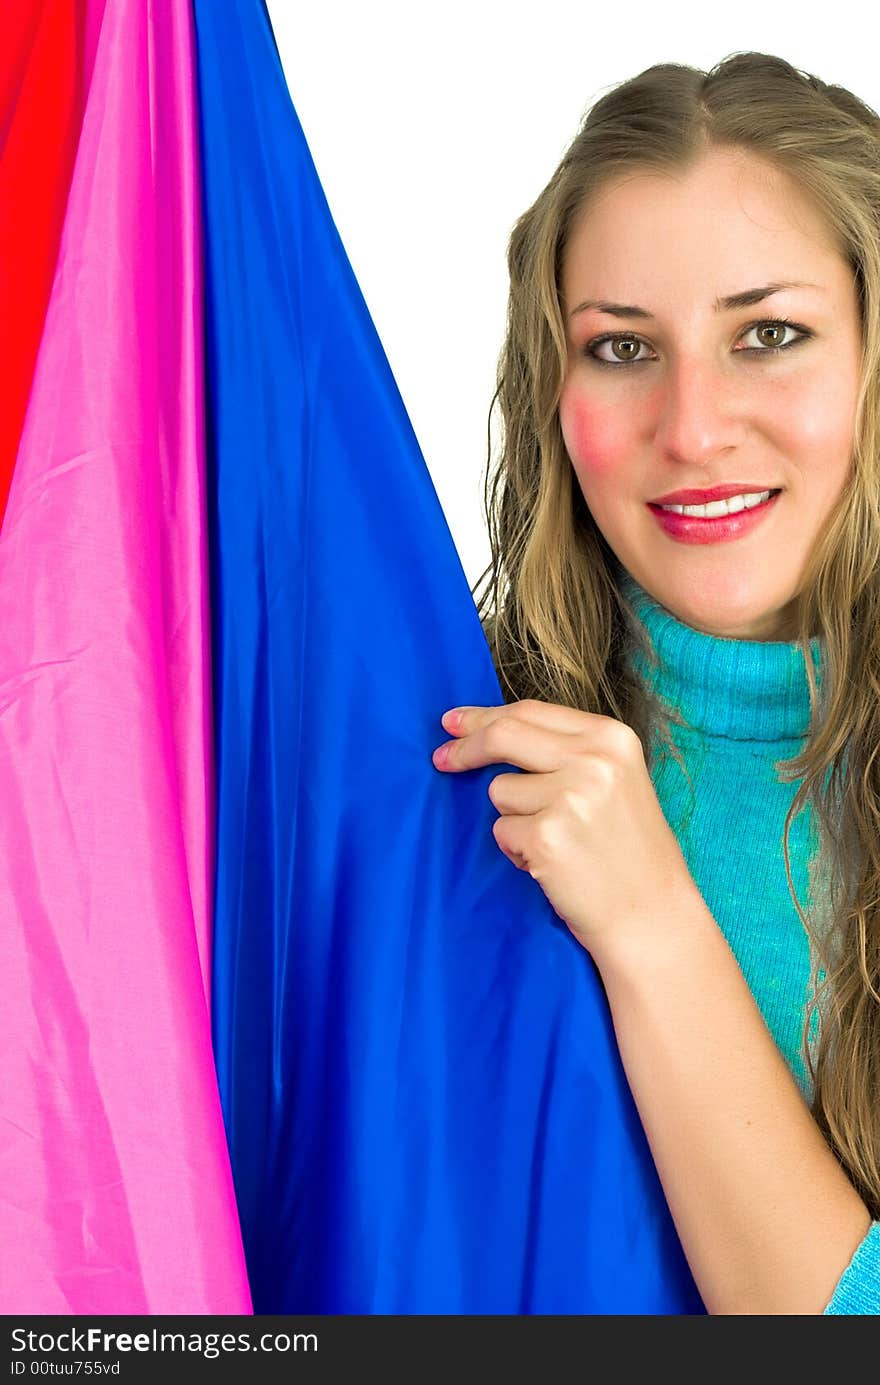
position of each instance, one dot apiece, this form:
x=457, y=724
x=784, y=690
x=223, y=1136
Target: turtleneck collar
x=743, y=690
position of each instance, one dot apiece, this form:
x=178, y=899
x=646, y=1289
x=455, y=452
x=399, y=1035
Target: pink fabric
x=115, y=1188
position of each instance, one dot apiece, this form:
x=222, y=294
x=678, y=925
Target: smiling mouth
x=719, y=509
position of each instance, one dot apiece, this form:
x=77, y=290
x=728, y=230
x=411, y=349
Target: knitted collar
x=743, y=690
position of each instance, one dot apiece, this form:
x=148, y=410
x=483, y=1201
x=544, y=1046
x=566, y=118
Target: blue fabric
x=747, y=704
x=424, y=1102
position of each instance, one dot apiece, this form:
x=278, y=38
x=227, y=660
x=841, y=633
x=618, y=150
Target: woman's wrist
x=658, y=934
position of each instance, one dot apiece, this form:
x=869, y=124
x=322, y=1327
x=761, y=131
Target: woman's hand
x=584, y=820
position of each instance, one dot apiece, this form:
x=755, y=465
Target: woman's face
x=691, y=396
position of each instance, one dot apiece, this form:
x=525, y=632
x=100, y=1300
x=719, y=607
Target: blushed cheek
x=821, y=418
x=597, y=438
x=814, y=427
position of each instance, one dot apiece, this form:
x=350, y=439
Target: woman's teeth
x=731, y=506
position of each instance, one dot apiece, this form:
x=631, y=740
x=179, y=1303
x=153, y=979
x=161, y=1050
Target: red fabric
x=41, y=105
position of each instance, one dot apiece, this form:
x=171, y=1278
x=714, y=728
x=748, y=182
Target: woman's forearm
x=767, y=1218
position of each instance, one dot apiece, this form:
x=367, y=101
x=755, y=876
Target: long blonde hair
x=555, y=618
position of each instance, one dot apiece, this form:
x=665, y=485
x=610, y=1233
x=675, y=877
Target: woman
x=695, y=315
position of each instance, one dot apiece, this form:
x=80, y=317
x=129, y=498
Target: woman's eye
x=624, y=348
x=772, y=335
x=628, y=345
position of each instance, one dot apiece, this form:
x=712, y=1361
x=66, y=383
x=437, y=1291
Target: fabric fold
x=45, y=68
x=115, y=1188
x=423, y=1096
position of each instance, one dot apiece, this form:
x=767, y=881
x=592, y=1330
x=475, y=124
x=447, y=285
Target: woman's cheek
x=596, y=436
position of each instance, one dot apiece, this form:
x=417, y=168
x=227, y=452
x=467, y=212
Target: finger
x=522, y=794
x=513, y=836
x=588, y=731
x=505, y=741
x=461, y=721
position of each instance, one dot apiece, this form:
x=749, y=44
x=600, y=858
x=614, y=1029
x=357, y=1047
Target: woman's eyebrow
x=745, y=299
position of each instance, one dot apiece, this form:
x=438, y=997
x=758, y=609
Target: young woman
x=684, y=611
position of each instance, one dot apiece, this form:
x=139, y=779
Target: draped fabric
x=115, y=1188
x=44, y=71
x=424, y=1102
x=231, y=615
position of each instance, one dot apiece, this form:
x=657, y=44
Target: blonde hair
x=552, y=609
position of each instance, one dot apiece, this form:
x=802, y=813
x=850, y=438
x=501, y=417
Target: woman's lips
x=691, y=529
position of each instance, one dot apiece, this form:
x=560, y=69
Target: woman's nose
x=697, y=415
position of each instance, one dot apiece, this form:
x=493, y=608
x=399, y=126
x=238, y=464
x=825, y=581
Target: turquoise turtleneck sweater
x=747, y=704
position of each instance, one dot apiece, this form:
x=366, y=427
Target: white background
x=434, y=126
